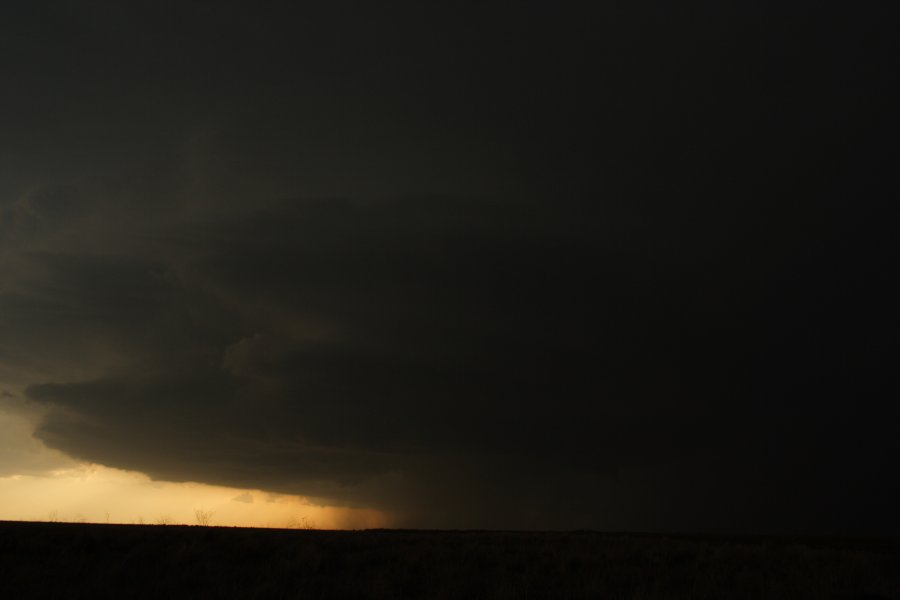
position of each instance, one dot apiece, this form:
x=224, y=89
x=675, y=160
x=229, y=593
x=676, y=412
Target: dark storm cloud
x=530, y=269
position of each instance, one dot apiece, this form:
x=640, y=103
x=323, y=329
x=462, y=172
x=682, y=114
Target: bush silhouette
x=203, y=517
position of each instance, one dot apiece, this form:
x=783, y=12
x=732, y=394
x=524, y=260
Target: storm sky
x=476, y=264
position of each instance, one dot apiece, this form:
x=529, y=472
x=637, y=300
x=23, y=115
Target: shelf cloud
x=611, y=279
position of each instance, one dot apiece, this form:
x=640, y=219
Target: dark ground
x=62, y=560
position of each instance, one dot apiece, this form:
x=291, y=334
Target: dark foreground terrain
x=61, y=560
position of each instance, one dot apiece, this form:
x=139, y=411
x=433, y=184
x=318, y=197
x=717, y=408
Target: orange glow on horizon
x=97, y=494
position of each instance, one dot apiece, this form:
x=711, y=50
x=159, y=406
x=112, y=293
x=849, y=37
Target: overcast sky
x=476, y=264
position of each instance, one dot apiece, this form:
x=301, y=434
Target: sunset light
x=96, y=494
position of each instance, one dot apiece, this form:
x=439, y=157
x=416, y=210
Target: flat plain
x=69, y=560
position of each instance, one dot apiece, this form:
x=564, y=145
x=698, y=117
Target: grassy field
x=64, y=560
